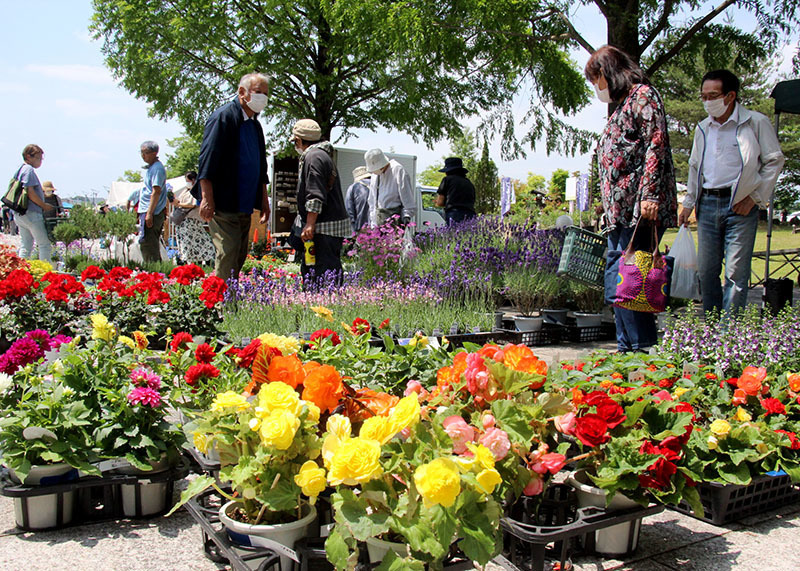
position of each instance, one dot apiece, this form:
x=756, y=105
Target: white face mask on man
x=257, y=102
x=715, y=107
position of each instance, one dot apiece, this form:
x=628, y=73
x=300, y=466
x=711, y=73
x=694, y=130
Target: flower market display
x=336, y=405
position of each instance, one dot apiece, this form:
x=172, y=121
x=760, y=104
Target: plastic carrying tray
x=724, y=503
x=549, y=334
x=583, y=257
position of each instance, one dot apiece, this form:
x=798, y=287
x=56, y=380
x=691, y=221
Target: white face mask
x=715, y=107
x=603, y=94
x=257, y=102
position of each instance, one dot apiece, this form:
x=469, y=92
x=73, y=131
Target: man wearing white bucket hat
x=390, y=192
x=356, y=199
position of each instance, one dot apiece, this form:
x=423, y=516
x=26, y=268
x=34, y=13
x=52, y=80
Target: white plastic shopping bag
x=685, y=283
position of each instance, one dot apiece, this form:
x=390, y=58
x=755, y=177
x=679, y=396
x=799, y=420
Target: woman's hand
x=649, y=210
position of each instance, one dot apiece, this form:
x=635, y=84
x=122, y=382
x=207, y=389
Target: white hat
x=308, y=130
x=375, y=160
x=360, y=173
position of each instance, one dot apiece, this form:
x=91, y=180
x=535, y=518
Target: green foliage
x=487, y=184
x=185, y=156
x=132, y=175
x=67, y=233
x=531, y=290
x=431, y=175
x=556, y=188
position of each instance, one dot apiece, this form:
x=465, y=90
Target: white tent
x=120, y=190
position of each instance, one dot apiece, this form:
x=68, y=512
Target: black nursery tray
x=96, y=498
x=549, y=334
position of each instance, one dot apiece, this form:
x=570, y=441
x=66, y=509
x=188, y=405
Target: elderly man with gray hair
x=152, y=203
x=233, y=173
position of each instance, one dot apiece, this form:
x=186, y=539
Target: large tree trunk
x=622, y=17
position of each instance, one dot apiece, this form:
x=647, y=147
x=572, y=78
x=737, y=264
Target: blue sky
x=56, y=92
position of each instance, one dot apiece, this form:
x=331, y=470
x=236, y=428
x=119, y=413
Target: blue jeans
x=636, y=330
x=722, y=234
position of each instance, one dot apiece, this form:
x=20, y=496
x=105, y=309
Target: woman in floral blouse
x=637, y=178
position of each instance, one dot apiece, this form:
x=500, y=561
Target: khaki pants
x=151, y=244
x=230, y=233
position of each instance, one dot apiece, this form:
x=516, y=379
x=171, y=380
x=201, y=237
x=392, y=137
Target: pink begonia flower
x=535, y=486
x=497, y=441
x=476, y=374
x=416, y=387
x=487, y=420
x=144, y=396
x=565, y=423
x=551, y=462
x=662, y=396
x=461, y=433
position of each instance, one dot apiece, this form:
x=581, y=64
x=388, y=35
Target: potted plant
x=590, y=302
x=268, y=448
x=529, y=290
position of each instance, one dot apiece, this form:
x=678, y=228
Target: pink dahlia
x=144, y=396
x=144, y=377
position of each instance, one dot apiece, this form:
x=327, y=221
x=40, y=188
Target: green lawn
x=782, y=239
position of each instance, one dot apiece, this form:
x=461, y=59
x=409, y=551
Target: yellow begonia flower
x=712, y=442
x=484, y=458
x=679, y=391
x=279, y=396
x=720, y=428
x=229, y=399
x=200, y=442
x=323, y=312
x=418, y=339
x=377, y=428
x=313, y=412
x=742, y=415
x=404, y=414
x=356, y=461
x=762, y=448
x=311, y=479
x=438, y=482
x=101, y=328
x=286, y=345
x=278, y=429
x=127, y=341
x=255, y=423
x=339, y=425
x=488, y=480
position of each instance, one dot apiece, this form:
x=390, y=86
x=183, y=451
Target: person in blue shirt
x=152, y=203
x=31, y=224
x=233, y=173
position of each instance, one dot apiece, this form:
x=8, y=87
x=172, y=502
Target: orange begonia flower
x=794, y=382
x=516, y=353
x=751, y=379
x=374, y=404
x=286, y=369
x=310, y=366
x=447, y=376
x=323, y=387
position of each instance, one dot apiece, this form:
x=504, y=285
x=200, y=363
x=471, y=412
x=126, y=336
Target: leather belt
x=723, y=192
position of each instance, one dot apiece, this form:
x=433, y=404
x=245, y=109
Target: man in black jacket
x=233, y=173
x=321, y=215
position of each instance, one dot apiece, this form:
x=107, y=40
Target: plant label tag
x=108, y=465
x=690, y=369
x=476, y=329
x=454, y=329
x=290, y=258
x=433, y=342
x=636, y=376
x=404, y=341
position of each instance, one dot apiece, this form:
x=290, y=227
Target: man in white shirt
x=390, y=192
x=735, y=162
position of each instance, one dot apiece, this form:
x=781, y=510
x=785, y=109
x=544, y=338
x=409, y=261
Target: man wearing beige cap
x=356, y=199
x=390, y=192
x=321, y=217
x=233, y=173
x=50, y=216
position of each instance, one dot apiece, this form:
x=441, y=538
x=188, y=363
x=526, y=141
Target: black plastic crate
x=549, y=334
x=602, y=332
x=724, y=503
x=480, y=338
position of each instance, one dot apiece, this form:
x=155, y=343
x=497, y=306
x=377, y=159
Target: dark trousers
x=636, y=330
x=150, y=244
x=328, y=258
x=457, y=215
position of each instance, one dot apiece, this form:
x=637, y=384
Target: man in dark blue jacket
x=233, y=173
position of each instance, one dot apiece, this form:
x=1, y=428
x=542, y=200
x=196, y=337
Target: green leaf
x=692, y=497
x=510, y=418
x=633, y=412
x=336, y=549
x=351, y=512
x=195, y=487
x=735, y=474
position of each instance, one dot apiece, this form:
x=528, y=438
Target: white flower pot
x=153, y=494
x=378, y=548
x=43, y=510
x=528, y=323
x=278, y=537
x=588, y=319
x=555, y=316
x=612, y=540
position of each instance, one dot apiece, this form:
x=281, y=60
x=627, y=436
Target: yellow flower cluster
x=277, y=430
x=323, y=312
x=286, y=345
x=438, y=482
x=229, y=400
x=102, y=328
x=311, y=479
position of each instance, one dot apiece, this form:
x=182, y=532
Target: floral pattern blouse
x=635, y=160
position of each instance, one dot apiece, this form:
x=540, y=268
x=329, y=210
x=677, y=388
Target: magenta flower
x=144, y=396
x=144, y=377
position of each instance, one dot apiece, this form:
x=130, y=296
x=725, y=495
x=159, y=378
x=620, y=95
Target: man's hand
x=649, y=210
x=308, y=232
x=148, y=219
x=207, y=209
x=744, y=206
x=683, y=217
x=48, y=207
x=264, y=213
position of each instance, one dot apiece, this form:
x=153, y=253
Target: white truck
x=283, y=177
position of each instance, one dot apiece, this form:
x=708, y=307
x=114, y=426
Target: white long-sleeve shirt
x=392, y=189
